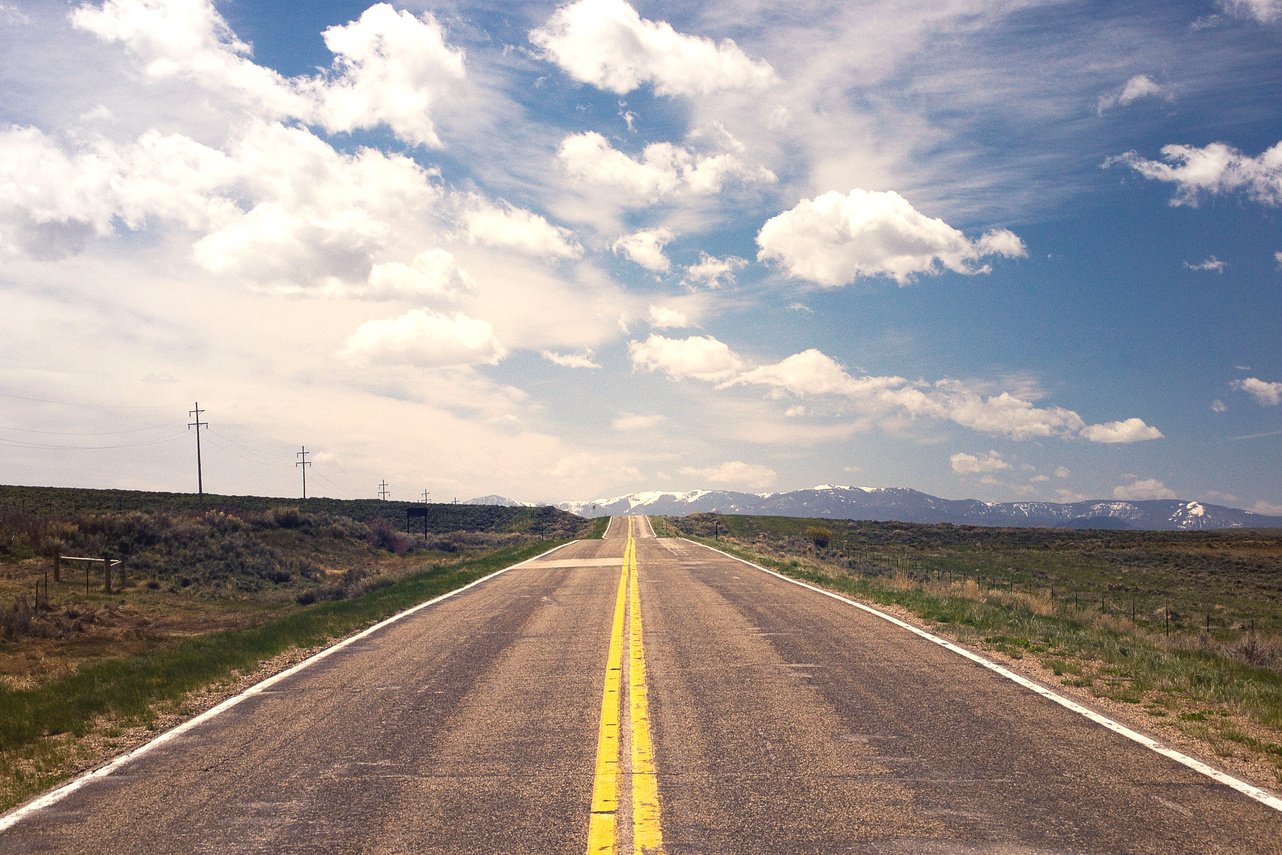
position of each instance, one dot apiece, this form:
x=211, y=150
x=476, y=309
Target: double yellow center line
x=603, y=832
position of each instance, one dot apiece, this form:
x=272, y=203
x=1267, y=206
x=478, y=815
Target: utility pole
x=382, y=491
x=198, y=424
x=425, y=495
x=304, y=463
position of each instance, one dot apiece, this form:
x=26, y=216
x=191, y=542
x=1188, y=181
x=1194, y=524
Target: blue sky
x=1005, y=250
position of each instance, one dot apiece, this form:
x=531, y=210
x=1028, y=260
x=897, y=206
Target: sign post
x=416, y=513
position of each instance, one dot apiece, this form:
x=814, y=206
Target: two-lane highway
x=638, y=693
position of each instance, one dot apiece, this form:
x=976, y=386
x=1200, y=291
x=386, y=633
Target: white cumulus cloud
x=698, y=357
x=607, y=44
x=1119, y=432
x=645, y=247
x=55, y=195
x=812, y=372
x=315, y=219
x=425, y=339
x=503, y=225
x=1139, y=489
x=432, y=273
x=1263, y=391
x=663, y=170
x=837, y=238
x=971, y=464
x=389, y=68
x=713, y=273
x=666, y=317
x=189, y=39
x=1211, y=170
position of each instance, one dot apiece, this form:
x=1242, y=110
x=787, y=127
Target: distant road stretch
x=643, y=694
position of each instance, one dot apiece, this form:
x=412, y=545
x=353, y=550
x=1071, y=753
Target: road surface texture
x=636, y=694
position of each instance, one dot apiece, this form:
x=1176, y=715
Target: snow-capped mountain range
x=905, y=505
x=501, y=501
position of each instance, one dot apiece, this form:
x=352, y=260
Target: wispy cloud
x=581, y=359
x=1210, y=264
x=1138, y=87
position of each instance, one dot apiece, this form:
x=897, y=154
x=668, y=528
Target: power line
x=267, y=459
x=251, y=454
x=346, y=493
x=82, y=404
x=84, y=433
x=18, y=444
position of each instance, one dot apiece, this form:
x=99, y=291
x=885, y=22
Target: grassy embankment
x=208, y=595
x=1183, y=628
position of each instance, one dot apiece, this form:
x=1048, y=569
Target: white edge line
x=1259, y=794
x=54, y=796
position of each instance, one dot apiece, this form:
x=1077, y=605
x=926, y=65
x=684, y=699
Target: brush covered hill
x=250, y=543
x=194, y=564
x=442, y=518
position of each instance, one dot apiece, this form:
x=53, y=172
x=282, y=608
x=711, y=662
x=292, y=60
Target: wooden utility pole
x=303, y=463
x=198, y=424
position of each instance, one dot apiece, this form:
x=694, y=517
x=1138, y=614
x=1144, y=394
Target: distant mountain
x=501, y=501
x=905, y=505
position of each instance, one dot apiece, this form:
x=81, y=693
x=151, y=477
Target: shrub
x=819, y=535
x=15, y=621
x=285, y=518
x=1255, y=651
x=383, y=535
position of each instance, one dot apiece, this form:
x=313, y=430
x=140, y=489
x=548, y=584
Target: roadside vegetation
x=1182, y=629
x=204, y=593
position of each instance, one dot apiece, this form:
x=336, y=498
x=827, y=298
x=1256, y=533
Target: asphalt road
x=773, y=719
